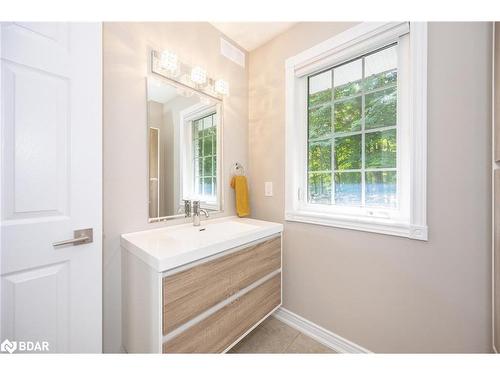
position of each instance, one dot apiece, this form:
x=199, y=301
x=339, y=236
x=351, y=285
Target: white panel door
x=51, y=184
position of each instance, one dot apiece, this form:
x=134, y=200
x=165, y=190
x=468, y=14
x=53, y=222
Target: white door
x=51, y=184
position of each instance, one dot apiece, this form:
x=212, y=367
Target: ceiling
x=251, y=35
x=160, y=92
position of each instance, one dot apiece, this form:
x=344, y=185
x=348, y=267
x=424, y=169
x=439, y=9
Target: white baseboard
x=323, y=336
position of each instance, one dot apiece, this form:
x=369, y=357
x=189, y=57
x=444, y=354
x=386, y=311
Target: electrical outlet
x=268, y=189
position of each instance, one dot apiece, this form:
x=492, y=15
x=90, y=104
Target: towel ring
x=238, y=169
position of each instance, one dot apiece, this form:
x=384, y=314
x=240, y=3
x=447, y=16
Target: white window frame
x=186, y=154
x=410, y=219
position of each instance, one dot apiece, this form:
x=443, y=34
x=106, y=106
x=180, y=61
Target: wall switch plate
x=268, y=189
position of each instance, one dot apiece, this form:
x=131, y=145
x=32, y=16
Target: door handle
x=81, y=236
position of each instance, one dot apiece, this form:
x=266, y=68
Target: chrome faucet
x=196, y=213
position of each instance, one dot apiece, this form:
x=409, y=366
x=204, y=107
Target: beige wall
x=386, y=293
x=125, y=65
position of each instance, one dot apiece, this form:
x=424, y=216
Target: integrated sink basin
x=170, y=247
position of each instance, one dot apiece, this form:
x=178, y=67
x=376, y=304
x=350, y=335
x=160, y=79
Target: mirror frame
x=220, y=139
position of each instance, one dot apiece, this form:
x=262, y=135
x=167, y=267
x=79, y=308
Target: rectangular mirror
x=184, y=136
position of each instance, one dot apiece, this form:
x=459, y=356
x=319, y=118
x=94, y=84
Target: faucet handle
x=187, y=207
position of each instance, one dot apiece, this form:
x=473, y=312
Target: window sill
x=362, y=223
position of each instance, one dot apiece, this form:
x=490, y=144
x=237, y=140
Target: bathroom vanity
x=200, y=289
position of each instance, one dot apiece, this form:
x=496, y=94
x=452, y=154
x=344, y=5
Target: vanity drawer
x=215, y=333
x=188, y=293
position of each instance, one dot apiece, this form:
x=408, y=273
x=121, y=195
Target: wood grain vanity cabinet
x=202, y=306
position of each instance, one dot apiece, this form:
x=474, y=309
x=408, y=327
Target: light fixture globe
x=169, y=61
x=221, y=87
x=199, y=75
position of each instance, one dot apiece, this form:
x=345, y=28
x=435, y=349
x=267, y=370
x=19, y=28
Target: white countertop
x=173, y=246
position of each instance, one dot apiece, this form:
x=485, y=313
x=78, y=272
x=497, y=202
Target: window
x=356, y=131
x=204, y=138
x=199, y=153
x=352, y=132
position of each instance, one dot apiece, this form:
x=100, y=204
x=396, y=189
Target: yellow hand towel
x=239, y=184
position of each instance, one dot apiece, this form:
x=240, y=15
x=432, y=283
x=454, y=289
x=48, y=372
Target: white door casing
x=51, y=129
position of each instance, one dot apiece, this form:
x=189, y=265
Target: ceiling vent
x=232, y=53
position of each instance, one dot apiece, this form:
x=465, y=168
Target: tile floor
x=274, y=336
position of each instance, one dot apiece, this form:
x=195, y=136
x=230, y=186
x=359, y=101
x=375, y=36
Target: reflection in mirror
x=184, y=133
